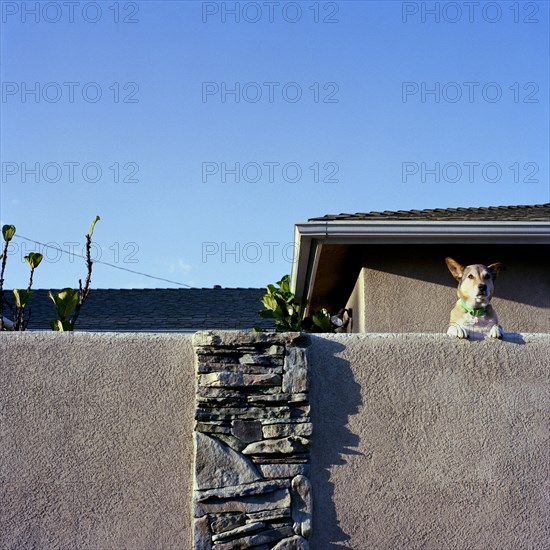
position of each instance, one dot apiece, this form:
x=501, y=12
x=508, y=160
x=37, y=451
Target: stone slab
x=217, y=465
x=301, y=505
x=269, y=536
x=238, y=338
x=257, y=488
x=292, y=543
x=226, y=522
x=286, y=445
x=255, y=503
x=282, y=430
x=245, y=529
x=271, y=471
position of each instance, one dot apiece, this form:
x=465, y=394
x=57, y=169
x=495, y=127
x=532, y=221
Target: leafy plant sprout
x=67, y=301
x=8, y=231
x=21, y=296
x=280, y=304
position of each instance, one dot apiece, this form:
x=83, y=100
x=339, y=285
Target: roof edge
x=309, y=235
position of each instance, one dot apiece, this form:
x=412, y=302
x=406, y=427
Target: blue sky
x=321, y=107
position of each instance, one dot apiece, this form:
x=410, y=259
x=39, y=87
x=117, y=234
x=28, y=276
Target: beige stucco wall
x=420, y=441
x=423, y=441
x=95, y=441
x=391, y=295
x=355, y=304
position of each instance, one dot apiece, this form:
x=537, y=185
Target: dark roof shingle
x=537, y=212
x=159, y=309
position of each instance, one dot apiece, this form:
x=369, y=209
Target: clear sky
x=201, y=132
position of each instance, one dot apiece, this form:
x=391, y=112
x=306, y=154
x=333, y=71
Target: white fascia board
x=308, y=236
x=300, y=261
x=388, y=231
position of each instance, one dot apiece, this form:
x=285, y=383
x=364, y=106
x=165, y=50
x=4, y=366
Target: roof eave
x=309, y=236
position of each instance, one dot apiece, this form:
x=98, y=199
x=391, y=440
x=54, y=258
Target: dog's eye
x=470, y=276
x=486, y=276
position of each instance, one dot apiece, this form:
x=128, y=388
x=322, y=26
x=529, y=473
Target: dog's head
x=475, y=282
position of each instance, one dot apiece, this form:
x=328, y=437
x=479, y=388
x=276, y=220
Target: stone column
x=252, y=437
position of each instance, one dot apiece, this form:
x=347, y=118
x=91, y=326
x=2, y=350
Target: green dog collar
x=476, y=312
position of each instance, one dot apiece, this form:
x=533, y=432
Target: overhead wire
x=17, y=235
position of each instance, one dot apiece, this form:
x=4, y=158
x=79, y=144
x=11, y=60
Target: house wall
x=419, y=441
x=417, y=295
x=355, y=304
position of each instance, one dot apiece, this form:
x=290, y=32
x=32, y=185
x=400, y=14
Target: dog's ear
x=455, y=268
x=495, y=269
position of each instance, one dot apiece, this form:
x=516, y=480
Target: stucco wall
x=96, y=441
x=420, y=441
x=392, y=295
x=355, y=304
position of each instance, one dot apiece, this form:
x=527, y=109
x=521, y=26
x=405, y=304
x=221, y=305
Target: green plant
x=65, y=302
x=68, y=301
x=321, y=322
x=8, y=231
x=280, y=304
x=21, y=297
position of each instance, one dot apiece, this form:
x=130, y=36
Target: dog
x=472, y=312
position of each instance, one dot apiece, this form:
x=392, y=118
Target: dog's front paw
x=457, y=331
x=496, y=332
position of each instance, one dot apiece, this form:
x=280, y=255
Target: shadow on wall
x=335, y=396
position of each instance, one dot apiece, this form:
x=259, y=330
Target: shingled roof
x=159, y=309
x=537, y=212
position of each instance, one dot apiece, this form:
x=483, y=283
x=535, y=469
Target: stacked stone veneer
x=252, y=437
